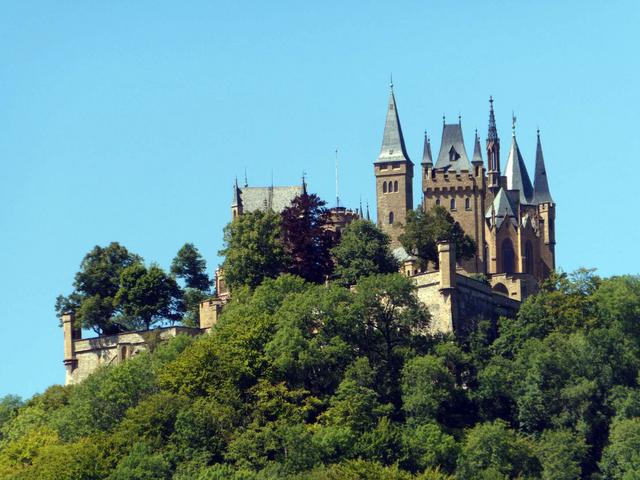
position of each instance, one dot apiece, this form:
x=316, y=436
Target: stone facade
x=511, y=220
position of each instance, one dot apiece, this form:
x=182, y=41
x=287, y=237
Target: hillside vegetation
x=305, y=381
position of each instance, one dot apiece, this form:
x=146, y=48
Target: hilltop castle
x=511, y=220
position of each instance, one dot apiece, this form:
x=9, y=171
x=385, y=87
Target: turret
x=476, y=161
x=394, y=176
x=236, y=202
x=546, y=207
x=493, y=152
x=427, y=160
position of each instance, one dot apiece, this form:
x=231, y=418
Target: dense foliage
x=304, y=381
x=424, y=229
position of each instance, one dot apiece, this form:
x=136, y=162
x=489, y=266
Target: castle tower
x=236, y=203
x=516, y=172
x=493, y=152
x=459, y=186
x=546, y=210
x=394, y=176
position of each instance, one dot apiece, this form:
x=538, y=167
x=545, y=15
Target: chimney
x=447, y=261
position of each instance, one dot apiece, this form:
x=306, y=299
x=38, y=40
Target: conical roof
x=393, y=148
x=427, y=159
x=517, y=176
x=453, y=155
x=541, y=192
x=477, y=151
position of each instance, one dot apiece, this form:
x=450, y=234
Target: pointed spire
x=453, y=155
x=368, y=216
x=501, y=210
x=361, y=211
x=541, y=192
x=304, y=183
x=246, y=182
x=477, y=151
x=393, y=147
x=493, y=131
x=237, y=200
x=516, y=173
x=427, y=158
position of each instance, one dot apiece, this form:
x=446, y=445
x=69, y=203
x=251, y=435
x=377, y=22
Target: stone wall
x=88, y=354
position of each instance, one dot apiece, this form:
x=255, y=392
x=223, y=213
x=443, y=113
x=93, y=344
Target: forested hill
x=302, y=381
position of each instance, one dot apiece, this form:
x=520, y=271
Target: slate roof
x=402, y=255
x=393, y=148
x=502, y=208
x=517, y=176
x=541, y=192
x=452, y=154
x=263, y=198
x=477, y=151
x=427, y=158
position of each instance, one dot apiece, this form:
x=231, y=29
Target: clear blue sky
x=127, y=121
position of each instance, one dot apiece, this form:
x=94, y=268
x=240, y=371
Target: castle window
x=508, y=257
x=528, y=259
x=383, y=166
x=384, y=187
x=437, y=201
x=395, y=186
x=453, y=204
x=467, y=203
x=390, y=218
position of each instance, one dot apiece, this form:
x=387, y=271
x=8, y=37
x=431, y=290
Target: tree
x=95, y=288
x=494, y=451
x=621, y=457
x=424, y=230
x=146, y=296
x=307, y=241
x=191, y=267
x=561, y=454
x=363, y=250
x=253, y=249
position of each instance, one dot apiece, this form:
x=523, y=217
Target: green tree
x=426, y=385
x=253, y=249
x=363, y=250
x=191, y=267
x=427, y=446
x=424, y=230
x=147, y=296
x=493, y=451
x=307, y=240
x=621, y=457
x=561, y=454
x=95, y=288
x=142, y=464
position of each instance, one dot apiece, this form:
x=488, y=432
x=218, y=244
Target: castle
x=510, y=219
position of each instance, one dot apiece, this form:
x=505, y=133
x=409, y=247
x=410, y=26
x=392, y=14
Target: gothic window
x=528, y=260
x=384, y=187
x=390, y=218
x=467, y=203
x=437, y=201
x=395, y=186
x=453, y=204
x=508, y=256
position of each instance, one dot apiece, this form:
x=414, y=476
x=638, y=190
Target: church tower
x=394, y=177
x=546, y=211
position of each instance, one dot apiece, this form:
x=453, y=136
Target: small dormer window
x=453, y=155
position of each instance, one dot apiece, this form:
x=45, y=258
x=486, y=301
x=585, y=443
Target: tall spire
x=493, y=152
x=541, y=192
x=477, y=151
x=393, y=148
x=427, y=159
x=368, y=216
x=237, y=200
x=516, y=173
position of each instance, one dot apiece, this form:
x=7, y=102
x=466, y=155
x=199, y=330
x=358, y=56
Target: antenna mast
x=337, y=185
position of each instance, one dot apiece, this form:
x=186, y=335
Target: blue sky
x=128, y=121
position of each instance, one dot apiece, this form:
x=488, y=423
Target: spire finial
x=459, y=119
x=476, y=134
x=391, y=82
x=538, y=132
x=491, y=102
x=444, y=119
x=246, y=182
x=368, y=216
x=513, y=123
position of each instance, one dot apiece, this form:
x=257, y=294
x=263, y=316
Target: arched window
x=508, y=256
x=453, y=204
x=467, y=203
x=437, y=201
x=528, y=259
x=390, y=218
x=395, y=186
x=384, y=187
x=500, y=288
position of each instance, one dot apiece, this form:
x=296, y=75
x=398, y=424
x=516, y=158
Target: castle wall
x=92, y=353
